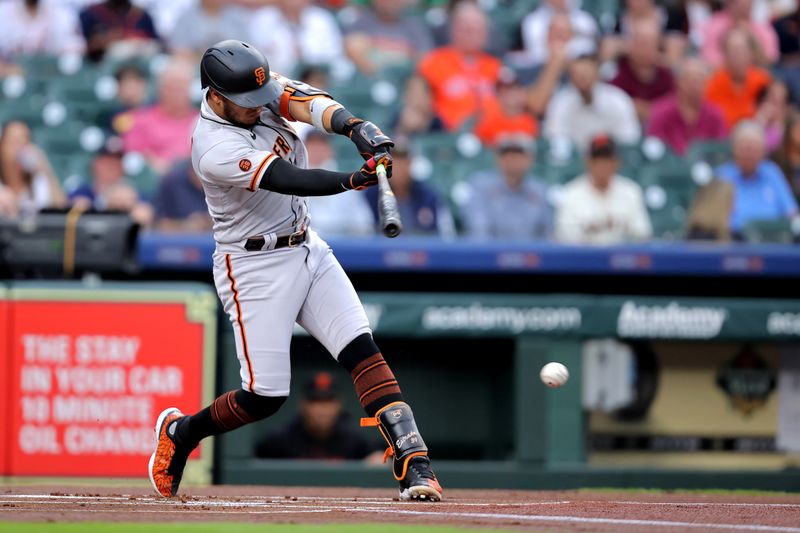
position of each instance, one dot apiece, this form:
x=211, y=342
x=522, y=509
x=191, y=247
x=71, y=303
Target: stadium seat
x=774, y=231
x=714, y=153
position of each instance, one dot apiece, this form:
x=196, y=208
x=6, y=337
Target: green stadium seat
x=774, y=231
x=714, y=153
x=65, y=139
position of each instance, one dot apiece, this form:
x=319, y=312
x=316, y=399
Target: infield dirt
x=539, y=511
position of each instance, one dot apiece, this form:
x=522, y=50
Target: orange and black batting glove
x=367, y=175
x=368, y=138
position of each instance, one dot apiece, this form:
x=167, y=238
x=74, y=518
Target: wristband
x=343, y=121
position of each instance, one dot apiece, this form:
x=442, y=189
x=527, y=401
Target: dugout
x=469, y=365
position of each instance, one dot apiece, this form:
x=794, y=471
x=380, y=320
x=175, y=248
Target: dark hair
x=27, y=176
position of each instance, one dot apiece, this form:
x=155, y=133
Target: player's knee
x=256, y=406
x=359, y=349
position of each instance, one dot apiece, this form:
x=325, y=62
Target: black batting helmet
x=240, y=73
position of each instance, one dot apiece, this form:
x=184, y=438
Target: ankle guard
x=396, y=424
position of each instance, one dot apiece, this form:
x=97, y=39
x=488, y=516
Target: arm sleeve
x=285, y=178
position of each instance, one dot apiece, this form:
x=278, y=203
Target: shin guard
x=396, y=423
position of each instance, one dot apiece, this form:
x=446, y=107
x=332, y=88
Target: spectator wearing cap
x=208, y=22
x=461, y=76
x=109, y=190
x=509, y=203
x=321, y=430
x=507, y=113
x=161, y=132
x=118, y=27
x=383, y=36
x=737, y=14
x=180, y=202
x=734, y=88
x=422, y=209
x=600, y=206
x=761, y=192
x=326, y=211
x=640, y=73
x=687, y=116
x=535, y=29
x=296, y=32
x=32, y=27
x=27, y=181
x=588, y=106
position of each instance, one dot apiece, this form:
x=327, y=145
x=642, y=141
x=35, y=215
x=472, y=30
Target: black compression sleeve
x=285, y=178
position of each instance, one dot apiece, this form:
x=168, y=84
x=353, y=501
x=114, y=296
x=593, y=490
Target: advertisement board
x=5, y=366
x=91, y=370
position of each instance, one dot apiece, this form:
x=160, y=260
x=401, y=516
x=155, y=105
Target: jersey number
x=281, y=148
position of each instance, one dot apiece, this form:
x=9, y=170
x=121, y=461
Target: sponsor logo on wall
x=514, y=319
x=783, y=324
x=670, y=321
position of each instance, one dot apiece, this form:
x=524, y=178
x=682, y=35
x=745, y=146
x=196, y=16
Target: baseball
x=554, y=374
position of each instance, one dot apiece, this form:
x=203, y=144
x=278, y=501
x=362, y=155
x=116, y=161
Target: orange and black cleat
x=168, y=459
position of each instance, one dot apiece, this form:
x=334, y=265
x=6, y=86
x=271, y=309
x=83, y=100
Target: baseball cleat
x=168, y=460
x=419, y=482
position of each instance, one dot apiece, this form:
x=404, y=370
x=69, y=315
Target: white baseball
x=554, y=374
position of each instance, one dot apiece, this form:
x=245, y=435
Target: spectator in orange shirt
x=735, y=87
x=507, y=113
x=462, y=77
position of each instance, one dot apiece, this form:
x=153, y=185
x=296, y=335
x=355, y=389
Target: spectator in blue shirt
x=180, y=202
x=761, y=192
x=509, y=203
x=422, y=209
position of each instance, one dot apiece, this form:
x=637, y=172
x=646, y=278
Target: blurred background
x=611, y=184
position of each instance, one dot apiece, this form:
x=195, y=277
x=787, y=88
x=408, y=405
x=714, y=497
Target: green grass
x=222, y=527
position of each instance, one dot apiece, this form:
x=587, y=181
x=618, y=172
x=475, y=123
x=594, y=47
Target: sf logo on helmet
x=261, y=75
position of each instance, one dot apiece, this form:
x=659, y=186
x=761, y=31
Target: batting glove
x=367, y=175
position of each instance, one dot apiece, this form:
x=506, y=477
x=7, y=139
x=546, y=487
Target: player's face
x=244, y=116
x=319, y=417
x=602, y=170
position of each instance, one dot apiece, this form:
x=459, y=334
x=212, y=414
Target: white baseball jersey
x=265, y=292
x=230, y=162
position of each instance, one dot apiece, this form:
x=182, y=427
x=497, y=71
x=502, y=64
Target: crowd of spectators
x=675, y=72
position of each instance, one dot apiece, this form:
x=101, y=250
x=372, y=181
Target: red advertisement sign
x=5, y=364
x=88, y=380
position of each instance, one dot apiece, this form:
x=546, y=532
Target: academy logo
x=514, y=319
x=245, y=165
x=672, y=321
x=261, y=76
x=783, y=324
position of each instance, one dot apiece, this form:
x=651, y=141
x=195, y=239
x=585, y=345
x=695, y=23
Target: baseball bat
x=389, y=214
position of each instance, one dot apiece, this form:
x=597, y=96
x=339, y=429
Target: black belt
x=255, y=244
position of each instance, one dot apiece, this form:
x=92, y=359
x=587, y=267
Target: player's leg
x=333, y=314
x=262, y=307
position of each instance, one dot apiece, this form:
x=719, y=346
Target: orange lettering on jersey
x=281, y=147
x=245, y=164
x=261, y=75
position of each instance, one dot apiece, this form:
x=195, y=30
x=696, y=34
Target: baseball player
x=272, y=270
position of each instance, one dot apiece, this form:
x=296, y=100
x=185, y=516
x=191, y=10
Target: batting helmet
x=240, y=73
